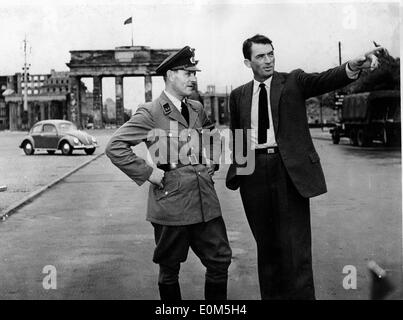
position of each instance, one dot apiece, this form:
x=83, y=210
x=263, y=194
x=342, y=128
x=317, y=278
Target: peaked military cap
x=181, y=60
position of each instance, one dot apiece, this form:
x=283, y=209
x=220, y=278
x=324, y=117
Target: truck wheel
x=362, y=138
x=353, y=138
x=386, y=138
x=335, y=138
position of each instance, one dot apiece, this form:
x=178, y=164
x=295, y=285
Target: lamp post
x=25, y=69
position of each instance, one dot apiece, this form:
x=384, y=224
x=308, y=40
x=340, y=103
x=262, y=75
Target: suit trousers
x=279, y=218
x=208, y=241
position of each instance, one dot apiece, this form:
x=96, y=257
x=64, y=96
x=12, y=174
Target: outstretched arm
x=314, y=84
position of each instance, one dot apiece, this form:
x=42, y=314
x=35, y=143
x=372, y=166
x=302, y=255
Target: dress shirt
x=175, y=101
x=352, y=74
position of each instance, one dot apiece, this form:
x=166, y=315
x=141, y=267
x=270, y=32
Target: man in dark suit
x=287, y=170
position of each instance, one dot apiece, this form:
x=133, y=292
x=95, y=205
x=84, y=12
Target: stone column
x=30, y=115
x=20, y=116
x=74, y=108
x=119, y=100
x=49, y=107
x=42, y=109
x=216, y=110
x=97, y=102
x=148, y=87
x=13, y=114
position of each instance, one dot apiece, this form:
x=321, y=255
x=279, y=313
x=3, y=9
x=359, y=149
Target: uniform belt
x=193, y=160
x=269, y=150
x=171, y=166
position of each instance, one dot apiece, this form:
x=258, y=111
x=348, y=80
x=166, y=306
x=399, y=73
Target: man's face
x=261, y=61
x=183, y=82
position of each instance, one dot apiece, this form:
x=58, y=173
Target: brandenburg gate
x=132, y=61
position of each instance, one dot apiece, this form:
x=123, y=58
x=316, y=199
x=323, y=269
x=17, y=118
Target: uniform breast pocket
x=205, y=175
x=171, y=184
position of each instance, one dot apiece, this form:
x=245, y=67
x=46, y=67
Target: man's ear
x=170, y=75
x=247, y=63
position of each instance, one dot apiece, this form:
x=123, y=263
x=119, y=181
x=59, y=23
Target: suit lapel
x=276, y=89
x=172, y=112
x=246, y=105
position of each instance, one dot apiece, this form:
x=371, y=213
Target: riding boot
x=170, y=292
x=215, y=291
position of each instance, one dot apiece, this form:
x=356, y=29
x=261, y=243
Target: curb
x=322, y=138
x=13, y=208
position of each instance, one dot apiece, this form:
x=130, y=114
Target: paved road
x=359, y=219
x=91, y=227
x=23, y=175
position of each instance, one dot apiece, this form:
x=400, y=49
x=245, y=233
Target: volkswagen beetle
x=53, y=135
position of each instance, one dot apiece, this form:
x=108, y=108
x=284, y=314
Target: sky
x=305, y=34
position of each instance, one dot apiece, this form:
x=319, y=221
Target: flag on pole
x=127, y=21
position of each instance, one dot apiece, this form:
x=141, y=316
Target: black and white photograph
x=220, y=151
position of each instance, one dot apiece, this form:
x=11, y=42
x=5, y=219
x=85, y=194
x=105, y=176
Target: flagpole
x=132, y=30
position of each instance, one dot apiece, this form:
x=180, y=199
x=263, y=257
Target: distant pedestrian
x=182, y=204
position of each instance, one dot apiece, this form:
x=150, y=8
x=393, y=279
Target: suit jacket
x=288, y=93
x=188, y=195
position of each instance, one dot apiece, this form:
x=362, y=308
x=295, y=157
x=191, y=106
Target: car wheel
x=51, y=151
x=28, y=148
x=66, y=148
x=90, y=151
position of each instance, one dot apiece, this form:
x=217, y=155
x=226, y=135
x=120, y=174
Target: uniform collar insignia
x=167, y=108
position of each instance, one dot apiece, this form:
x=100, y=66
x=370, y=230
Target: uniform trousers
x=279, y=218
x=208, y=241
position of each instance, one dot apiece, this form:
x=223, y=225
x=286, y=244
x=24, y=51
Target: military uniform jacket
x=288, y=93
x=188, y=195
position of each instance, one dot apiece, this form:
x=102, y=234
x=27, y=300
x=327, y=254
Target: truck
x=369, y=116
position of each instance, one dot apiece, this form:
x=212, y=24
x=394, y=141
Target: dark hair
x=247, y=44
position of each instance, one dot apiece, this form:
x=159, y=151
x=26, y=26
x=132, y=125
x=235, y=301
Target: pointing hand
x=367, y=61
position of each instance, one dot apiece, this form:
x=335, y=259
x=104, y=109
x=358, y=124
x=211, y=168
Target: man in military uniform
x=182, y=205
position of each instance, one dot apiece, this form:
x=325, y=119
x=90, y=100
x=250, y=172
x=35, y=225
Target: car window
x=66, y=127
x=49, y=128
x=37, y=128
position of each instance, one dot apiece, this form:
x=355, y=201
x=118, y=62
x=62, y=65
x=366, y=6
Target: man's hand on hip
x=157, y=177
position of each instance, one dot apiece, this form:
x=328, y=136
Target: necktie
x=263, y=123
x=185, y=111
